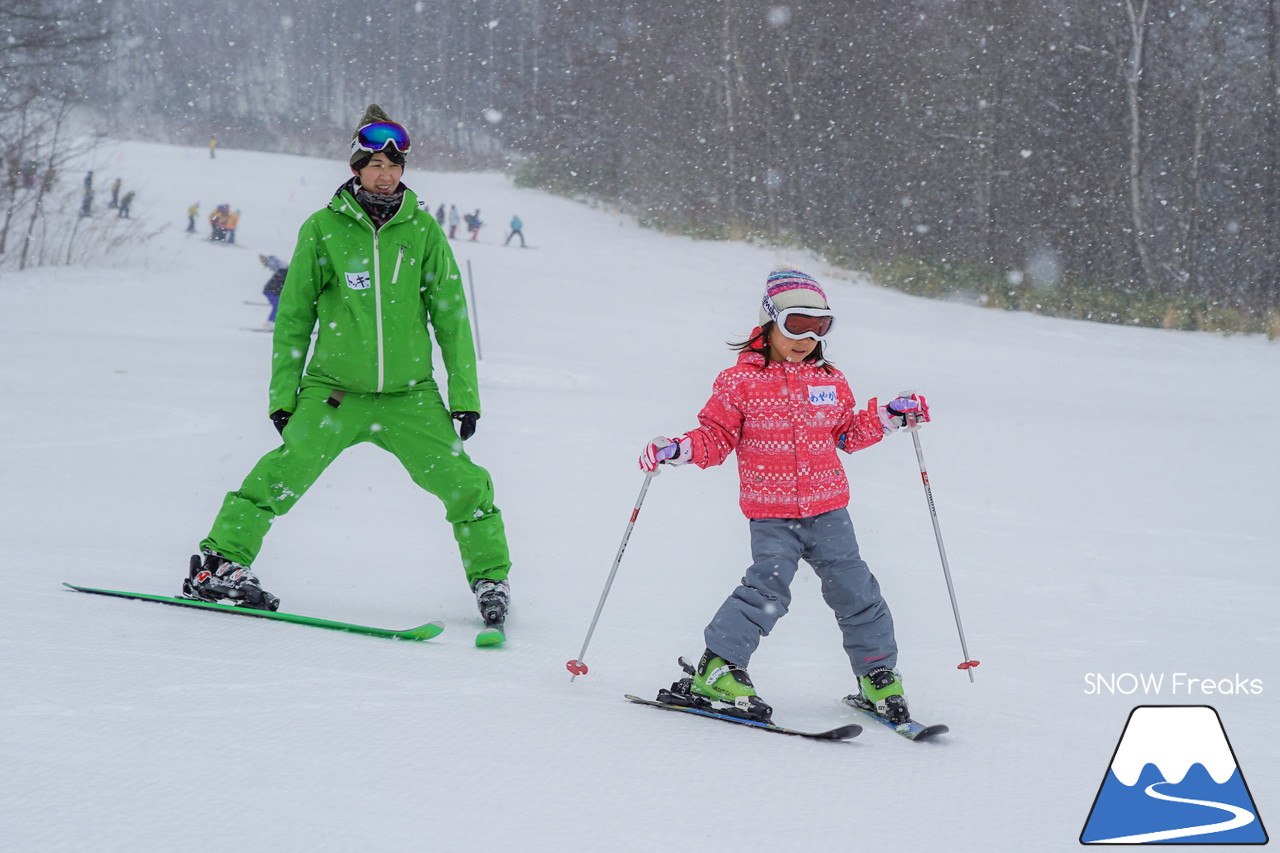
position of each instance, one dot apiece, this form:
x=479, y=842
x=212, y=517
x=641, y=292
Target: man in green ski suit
x=371, y=271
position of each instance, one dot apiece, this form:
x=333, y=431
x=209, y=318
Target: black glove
x=467, y=423
x=280, y=417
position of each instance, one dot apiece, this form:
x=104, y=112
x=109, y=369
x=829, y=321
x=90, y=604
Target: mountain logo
x=1173, y=779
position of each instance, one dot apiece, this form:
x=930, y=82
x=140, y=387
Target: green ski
x=422, y=632
x=492, y=635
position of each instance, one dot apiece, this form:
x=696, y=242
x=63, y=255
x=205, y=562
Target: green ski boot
x=880, y=692
x=728, y=687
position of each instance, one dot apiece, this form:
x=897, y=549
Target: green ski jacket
x=371, y=293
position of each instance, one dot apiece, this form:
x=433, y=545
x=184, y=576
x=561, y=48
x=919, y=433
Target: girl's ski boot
x=717, y=685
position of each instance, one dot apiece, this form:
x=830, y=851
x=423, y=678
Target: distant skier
x=440, y=214
x=473, y=224
x=218, y=223
x=275, y=284
x=454, y=219
x=786, y=412
x=125, y=204
x=86, y=202
x=516, y=226
x=115, y=194
x=192, y=212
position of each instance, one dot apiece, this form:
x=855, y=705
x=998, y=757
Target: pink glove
x=894, y=414
x=663, y=450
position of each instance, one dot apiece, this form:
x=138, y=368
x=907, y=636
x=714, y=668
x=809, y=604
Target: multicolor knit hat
x=790, y=289
x=373, y=113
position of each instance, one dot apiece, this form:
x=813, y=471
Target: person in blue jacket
x=516, y=226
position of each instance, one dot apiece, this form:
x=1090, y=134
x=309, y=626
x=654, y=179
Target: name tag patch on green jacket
x=359, y=280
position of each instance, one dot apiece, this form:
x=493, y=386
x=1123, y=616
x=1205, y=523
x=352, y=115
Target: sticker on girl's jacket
x=822, y=395
x=359, y=280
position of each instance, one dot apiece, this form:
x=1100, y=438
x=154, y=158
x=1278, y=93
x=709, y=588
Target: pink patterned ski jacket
x=784, y=422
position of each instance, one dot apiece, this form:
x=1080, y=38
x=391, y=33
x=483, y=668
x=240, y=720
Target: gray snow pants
x=827, y=543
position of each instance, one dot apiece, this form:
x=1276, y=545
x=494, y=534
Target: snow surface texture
x=1108, y=497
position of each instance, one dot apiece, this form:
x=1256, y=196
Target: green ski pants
x=414, y=426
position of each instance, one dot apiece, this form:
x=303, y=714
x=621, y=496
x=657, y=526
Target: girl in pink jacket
x=786, y=412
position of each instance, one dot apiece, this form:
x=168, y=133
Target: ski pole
x=475, y=310
x=914, y=428
x=576, y=666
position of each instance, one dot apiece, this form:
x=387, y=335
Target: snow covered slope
x=1107, y=495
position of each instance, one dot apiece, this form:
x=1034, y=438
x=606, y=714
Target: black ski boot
x=220, y=581
x=493, y=598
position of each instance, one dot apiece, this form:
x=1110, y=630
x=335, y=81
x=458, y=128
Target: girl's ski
x=422, y=632
x=911, y=730
x=839, y=733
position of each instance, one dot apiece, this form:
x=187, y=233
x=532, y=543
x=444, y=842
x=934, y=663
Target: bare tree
x=1269, y=284
x=1132, y=70
x=44, y=62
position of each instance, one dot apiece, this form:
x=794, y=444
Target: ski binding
x=911, y=730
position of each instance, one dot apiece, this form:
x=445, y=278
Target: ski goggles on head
x=377, y=136
x=797, y=323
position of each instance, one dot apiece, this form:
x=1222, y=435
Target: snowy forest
x=1113, y=160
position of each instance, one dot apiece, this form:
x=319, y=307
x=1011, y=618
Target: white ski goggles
x=797, y=323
